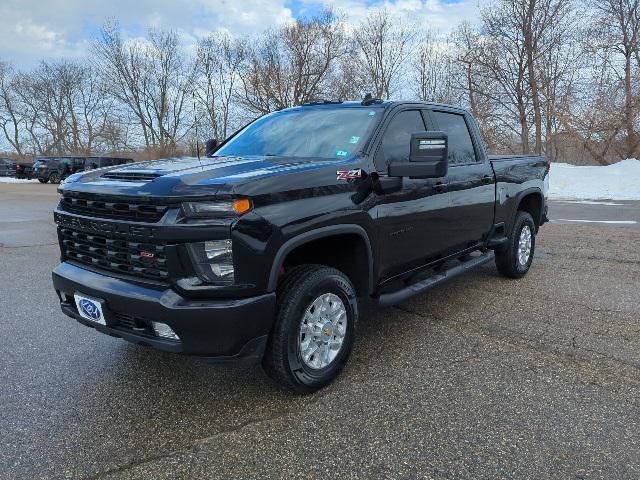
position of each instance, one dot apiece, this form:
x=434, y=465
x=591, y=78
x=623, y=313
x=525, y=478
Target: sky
x=35, y=30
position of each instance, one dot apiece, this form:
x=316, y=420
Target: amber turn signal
x=242, y=205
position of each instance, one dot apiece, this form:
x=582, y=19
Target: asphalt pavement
x=619, y=213
x=484, y=377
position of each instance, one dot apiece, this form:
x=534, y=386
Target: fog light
x=164, y=330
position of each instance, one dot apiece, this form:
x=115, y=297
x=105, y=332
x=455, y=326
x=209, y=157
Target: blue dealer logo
x=90, y=309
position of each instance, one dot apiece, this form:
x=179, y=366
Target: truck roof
x=386, y=104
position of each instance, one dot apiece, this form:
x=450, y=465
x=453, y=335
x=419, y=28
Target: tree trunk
x=530, y=47
x=628, y=109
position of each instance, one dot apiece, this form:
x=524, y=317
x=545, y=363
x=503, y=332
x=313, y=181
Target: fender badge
x=349, y=174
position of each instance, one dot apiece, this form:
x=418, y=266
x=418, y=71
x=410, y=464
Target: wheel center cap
x=327, y=331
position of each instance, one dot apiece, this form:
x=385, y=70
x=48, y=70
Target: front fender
x=315, y=234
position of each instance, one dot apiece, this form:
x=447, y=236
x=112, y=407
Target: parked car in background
x=24, y=170
x=91, y=163
x=7, y=167
x=56, y=169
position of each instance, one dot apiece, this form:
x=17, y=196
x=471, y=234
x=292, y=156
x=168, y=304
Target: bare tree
x=11, y=120
x=501, y=62
x=476, y=87
x=531, y=74
x=617, y=36
x=384, y=45
x=434, y=71
x=168, y=89
x=151, y=78
x=466, y=44
x=560, y=68
x=544, y=29
x=219, y=62
x=293, y=65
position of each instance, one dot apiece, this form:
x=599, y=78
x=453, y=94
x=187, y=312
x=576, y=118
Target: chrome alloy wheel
x=524, y=245
x=322, y=331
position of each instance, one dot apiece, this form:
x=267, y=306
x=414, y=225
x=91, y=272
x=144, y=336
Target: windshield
x=306, y=132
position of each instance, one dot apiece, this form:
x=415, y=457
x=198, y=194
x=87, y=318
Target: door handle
x=487, y=179
x=440, y=187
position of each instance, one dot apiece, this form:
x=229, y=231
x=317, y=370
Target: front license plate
x=90, y=308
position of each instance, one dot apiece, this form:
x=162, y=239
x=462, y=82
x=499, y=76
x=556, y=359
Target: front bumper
x=221, y=330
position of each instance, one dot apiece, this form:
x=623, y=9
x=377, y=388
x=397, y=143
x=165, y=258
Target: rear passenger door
x=471, y=182
x=412, y=223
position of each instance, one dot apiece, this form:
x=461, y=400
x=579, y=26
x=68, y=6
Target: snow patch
x=16, y=180
x=620, y=181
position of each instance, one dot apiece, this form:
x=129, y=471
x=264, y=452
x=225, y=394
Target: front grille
x=141, y=259
x=105, y=207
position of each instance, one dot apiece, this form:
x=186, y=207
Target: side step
x=403, y=294
x=498, y=241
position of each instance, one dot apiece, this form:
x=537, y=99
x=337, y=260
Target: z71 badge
x=349, y=174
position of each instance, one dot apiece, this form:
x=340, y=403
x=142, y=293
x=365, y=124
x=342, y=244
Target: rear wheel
x=314, y=329
x=515, y=260
x=54, y=178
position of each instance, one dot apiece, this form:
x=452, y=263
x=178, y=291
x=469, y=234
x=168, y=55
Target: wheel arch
x=305, y=242
x=532, y=202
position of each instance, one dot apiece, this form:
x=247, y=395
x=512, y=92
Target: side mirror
x=427, y=158
x=386, y=185
x=210, y=147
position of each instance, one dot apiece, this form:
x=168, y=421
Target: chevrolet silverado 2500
x=263, y=249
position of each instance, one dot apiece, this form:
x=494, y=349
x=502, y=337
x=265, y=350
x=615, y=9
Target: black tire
x=43, y=180
x=283, y=360
x=54, y=178
x=507, y=260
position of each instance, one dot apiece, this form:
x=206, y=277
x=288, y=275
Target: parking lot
x=484, y=377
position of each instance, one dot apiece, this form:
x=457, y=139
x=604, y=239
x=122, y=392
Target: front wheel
x=515, y=260
x=314, y=329
x=43, y=180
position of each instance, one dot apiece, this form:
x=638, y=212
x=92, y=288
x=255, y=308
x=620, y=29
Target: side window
x=460, y=145
x=396, y=142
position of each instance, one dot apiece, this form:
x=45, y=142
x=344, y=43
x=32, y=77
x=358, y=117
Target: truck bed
x=517, y=175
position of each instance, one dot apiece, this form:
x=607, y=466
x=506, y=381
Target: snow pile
x=16, y=180
x=620, y=181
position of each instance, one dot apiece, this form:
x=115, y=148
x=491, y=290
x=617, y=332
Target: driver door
x=412, y=223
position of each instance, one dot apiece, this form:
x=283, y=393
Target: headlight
x=213, y=261
x=228, y=208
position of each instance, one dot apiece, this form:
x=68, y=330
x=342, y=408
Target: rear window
x=41, y=162
x=460, y=145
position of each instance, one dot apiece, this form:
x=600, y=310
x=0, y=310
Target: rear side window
x=460, y=145
x=396, y=142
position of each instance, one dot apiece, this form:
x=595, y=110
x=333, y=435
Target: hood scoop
x=131, y=176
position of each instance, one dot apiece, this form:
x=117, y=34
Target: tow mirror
x=210, y=147
x=427, y=158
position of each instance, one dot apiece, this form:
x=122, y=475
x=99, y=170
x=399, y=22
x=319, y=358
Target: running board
x=401, y=295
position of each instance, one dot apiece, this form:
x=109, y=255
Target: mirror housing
x=210, y=147
x=427, y=158
x=386, y=185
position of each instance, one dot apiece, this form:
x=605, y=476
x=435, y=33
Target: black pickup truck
x=263, y=249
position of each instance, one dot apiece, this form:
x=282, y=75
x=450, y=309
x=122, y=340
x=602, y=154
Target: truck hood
x=180, y=177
